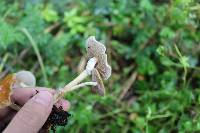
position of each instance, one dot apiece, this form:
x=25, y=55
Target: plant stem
x=77, y=80
x=160, y=116
x=6, y=14
x=3, y=62
x=73, y=85
x=34, y=45
x=80, y=85
x=182, y=62
x=74, y=82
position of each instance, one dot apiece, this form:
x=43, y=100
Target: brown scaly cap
x=97, y=50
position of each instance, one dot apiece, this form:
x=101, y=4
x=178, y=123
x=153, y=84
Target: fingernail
x=44, y=97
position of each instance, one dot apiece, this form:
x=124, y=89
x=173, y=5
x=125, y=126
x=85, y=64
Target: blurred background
x=152, y=45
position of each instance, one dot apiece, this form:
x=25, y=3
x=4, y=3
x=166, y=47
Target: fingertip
x=52, y=91
x=22, y=95
x=44, y=98
x=32, y=116
x=64, y=103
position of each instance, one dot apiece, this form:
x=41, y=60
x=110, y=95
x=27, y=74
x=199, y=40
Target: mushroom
x=102, y=69
x=97, y=66
x=100, y=89
x=6, y=90
x=97, y=50
x=12, y=81
x=24, y=79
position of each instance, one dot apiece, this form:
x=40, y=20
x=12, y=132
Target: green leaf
x=184, y=61
x=167, y=32
x=161, y=50
x=145, y=65
x=49, y=14
x=9, y=35
x=167, y=61
x=146, y=5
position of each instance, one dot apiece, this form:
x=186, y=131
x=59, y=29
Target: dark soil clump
x=58, y=117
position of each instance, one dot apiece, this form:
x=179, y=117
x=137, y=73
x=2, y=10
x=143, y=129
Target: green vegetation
x=153, y=47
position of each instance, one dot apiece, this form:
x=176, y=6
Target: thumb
x=32, y=115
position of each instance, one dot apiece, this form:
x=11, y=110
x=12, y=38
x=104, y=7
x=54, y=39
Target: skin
x=33, y=113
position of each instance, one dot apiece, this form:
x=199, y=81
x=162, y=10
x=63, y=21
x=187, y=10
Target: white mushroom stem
x=81, y=85
x=76, y=81
x=89, y=67
x=73, y=85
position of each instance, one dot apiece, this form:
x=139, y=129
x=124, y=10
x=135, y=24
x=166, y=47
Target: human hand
x=35, y=110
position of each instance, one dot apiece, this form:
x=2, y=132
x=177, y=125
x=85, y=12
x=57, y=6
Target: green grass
x=153, y=47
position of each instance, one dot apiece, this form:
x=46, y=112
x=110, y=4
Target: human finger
x=32, y=115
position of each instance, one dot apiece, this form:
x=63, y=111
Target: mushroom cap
x=94, y=48
x=6, y=90
x=97, y=50
x=96, y=77
x=25, y=77
x=103, y=68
